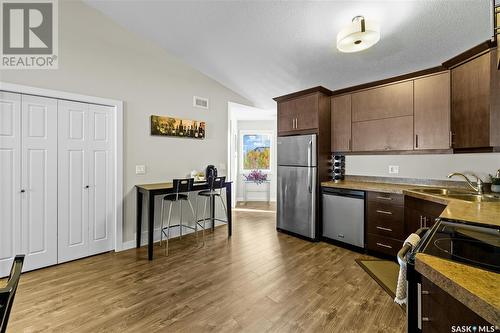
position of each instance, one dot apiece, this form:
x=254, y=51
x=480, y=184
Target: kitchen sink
x=461, y=195
x=441, y=191
x=475, y=197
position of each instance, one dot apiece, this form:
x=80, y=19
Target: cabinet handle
x=23, y=190
x=87, y=186
x=425, y=292
x=421, y=221
x=452, y=143
x=384, y=198
x=384, y=245
x=383, y=212
x=382, y=228
x=296, y=123
x=425, y=319
x=349, y=145
x=416, y=140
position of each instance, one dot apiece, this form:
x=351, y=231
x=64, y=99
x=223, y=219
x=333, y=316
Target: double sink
x=461, y=195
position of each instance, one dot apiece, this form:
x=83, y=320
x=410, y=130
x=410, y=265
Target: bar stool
x=215, y=185
x=181, y=187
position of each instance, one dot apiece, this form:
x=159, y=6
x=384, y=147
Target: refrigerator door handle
x=309, y=154
x=309, y=180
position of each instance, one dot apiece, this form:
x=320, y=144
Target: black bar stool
x=215, y=184
x=9, y=291
x=181, y=187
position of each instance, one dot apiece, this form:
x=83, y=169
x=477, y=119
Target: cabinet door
x=39, y=180
x=393, y=100
x=432, y=112
x=306, y=110
x=384, y=134
x=470, y=103
x=341, y=123
x=73, y=207
x=286, y=116
x=10, y=179
x=101, y=178
x=441, y=311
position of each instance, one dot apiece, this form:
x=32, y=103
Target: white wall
x=423, y=166
x=100, y=58
x=257, y=125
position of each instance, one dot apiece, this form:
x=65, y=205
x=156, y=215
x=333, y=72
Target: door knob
x=87, y=186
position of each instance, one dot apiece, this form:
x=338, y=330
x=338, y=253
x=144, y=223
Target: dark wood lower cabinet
x=384, y=222
x=443, y=313
x=420, y=213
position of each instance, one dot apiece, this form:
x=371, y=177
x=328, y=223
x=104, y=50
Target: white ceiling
x=264, y=49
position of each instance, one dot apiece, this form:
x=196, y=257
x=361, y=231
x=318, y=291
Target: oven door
x=413, y=284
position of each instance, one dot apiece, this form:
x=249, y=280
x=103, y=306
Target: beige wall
x=423, y=166
x=99, y=58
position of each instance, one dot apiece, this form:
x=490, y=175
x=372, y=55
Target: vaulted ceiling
x=263, y=49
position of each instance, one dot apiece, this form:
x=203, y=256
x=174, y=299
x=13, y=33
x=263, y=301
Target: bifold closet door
x=73, y=188
x=101, y=178
x=86, y=180
x=38, y=181
x=10, y=179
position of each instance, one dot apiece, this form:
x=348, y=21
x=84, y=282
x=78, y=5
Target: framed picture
x=255, y=150
x=169, y=126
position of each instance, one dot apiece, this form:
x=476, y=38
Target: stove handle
x=407, y=247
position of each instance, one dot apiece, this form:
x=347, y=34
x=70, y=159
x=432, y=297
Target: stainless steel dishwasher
x=344, y=216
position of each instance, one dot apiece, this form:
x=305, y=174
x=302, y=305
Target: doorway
x=251, y=151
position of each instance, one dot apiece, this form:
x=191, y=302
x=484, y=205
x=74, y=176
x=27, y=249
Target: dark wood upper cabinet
x=394, y=100
x=302, y=112
x=475, y=102
x=341, y=123
x=383, y=134
x=432, y=112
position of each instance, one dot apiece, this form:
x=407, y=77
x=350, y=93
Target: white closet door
x=10, y=179
x=101, y=178
x=73, y=229
x=39, y=180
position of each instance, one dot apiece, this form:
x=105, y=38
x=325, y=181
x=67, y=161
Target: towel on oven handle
x=400, y=298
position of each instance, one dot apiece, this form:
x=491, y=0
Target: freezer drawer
x=344, y=216
x=297, y=200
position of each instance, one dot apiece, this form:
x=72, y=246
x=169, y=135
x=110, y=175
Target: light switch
x=394, y=169
x=140, y=169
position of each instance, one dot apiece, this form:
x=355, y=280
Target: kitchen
x=153, y=181
x=451, y=108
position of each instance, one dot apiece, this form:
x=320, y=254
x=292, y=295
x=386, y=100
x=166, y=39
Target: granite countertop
x=476, y=288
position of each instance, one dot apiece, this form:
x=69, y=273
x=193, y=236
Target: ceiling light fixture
x=358, y=36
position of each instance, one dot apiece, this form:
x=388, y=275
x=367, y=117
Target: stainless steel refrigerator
x=297, y=178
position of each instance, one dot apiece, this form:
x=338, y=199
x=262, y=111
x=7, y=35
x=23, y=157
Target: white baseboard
x=174, y=232
x=254, y=199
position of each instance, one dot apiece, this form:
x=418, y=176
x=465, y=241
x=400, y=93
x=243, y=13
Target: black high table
x=149, y=191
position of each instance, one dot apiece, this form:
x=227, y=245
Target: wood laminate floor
x=258, y=281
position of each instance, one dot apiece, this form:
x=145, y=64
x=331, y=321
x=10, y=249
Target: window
x=255, y=150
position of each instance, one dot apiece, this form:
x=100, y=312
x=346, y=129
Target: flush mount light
x=358, y=36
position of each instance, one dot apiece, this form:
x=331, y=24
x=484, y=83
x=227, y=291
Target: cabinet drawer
x=385, y=219
x=392, y=198
x=383, y=244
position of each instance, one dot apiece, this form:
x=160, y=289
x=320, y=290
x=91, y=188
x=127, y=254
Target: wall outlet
x=140, y=169
x=393, y=169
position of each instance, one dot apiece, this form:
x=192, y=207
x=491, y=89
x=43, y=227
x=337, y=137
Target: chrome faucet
x=479, y=183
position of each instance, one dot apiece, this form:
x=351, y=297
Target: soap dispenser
x=495, y=182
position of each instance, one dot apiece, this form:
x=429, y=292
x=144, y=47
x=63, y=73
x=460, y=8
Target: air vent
x=200, y=102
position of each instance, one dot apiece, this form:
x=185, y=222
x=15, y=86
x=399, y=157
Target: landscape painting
x=256, y=151
x=169, y=126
